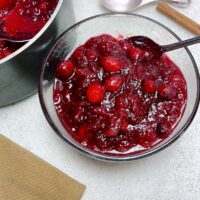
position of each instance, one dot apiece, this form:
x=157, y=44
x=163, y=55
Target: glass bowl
x=116, y=24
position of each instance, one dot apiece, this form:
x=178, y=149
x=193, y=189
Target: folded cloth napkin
x=23, y=176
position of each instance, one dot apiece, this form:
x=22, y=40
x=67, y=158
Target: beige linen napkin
x=23, y=176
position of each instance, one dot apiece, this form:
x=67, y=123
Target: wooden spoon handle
x=178, y=17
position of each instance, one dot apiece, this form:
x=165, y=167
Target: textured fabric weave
x=24, y=176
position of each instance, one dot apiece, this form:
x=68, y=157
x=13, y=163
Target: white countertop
x=172, y=174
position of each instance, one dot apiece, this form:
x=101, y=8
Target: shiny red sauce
x=112, y=98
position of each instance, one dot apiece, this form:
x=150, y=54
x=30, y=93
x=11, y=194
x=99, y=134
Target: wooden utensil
x=186, y=22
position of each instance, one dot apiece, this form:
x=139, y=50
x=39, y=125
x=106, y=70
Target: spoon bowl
x=121, y=6
x=155, y=50
x=146, y=43
x=129, y=5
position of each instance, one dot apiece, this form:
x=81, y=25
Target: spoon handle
x=180, y=3
x=181, y=44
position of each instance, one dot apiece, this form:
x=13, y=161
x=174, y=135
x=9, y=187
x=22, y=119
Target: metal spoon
x=157, y=50
x=13, y=39
x=129, y=5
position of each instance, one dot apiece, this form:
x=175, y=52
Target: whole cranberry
x=167, y=91
x=163, y=130
x=148, y=86
x=125, y=45
x=79, y=52
x=135, y=54
x=65, y=69
x=113, y=83
x=113, y=126
x=95, y=92
x=140, y=70
x=111, y=63
x=135, y=103
x=149, y=134
x=102, y=142
x=110, y=132
x=124, y=125
x=123, y=144
x=91, y=55
x=121, y=101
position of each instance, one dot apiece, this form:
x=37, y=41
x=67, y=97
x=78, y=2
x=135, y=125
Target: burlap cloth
x=24, y=176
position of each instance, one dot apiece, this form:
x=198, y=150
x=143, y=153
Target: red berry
x=101, y=142
x=135, y=54
x=110, y=133
x=65, y=69
x=140, y=70
x=148, y=86
x=111, y=63
x=135, y=105
x=125, y=45
x=82, y=133
x=163, y=130
x=91, y=55
x=95, y=93
x=147, y=137
x=113, y=127
x=113, y=83
x=121, y=101
x=150, y=134
x=79, y=52
x=124, y=125
x=123, y=144
x=167, y=92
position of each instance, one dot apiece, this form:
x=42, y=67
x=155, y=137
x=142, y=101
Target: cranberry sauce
x=112, y=98
x=22, y=18
x=6, y=48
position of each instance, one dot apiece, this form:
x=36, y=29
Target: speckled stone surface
x=173, y=174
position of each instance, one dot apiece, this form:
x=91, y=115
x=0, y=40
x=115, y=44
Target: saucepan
x=19, y=71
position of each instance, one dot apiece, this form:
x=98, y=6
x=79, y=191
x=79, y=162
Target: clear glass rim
x=105, y=157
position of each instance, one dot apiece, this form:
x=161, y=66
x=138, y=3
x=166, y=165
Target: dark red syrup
x=113, y=99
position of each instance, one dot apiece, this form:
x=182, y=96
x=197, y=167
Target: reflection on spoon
x=128, y=5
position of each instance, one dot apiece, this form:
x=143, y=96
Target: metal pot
x=19, y=72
